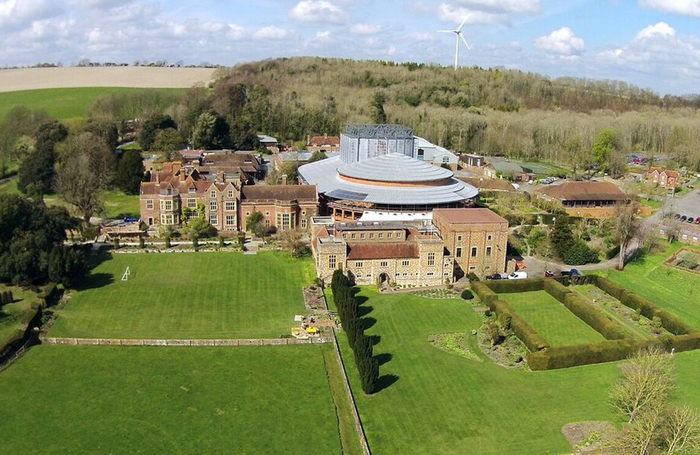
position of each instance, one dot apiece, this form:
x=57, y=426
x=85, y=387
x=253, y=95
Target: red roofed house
x=412, y=253
x=663, y=177
x=323, y=143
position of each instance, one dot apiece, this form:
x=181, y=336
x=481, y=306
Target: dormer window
x=193, y=190
x=169, y=191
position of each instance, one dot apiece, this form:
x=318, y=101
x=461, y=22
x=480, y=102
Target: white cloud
x=321, y=11
x=660, y=30
x=456, y=14
x=425, y=37
x=506, y=6
x=365, y=29
x=234, y=32
x=561, y=42
x=21, y=13
x=271, y=33
x=681, y=7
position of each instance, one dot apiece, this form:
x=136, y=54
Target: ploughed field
x=188, y=296
x=174, y=400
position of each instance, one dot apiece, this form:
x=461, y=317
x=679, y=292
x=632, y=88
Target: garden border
x=674, y=256
x=617, y=346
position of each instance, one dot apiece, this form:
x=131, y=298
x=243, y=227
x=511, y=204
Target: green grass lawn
x=551, y=319
x=674, y=290
x=65, y=103
x=115, y=400
x=188, y=295
x=11, y=313
x=444, y=403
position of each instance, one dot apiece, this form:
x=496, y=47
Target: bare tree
x=292, y=241
x=626, y=227
x=681, y=431
x=645, y=384
x=638, y=437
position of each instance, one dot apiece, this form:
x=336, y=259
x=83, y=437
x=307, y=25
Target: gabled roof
x=404, y=250
x=469, y=216
x=319, y=141
x=305, y=193
x=586, y=191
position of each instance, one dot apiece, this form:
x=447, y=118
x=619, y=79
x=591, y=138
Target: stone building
x=477, y=239
x=412, y=253
x=283, y=207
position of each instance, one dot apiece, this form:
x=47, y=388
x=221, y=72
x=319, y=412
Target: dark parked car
x=495, y=276
x=683, y=218
x=691, y=220
x=572, y=272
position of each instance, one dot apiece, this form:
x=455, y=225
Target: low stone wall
x=155, y=342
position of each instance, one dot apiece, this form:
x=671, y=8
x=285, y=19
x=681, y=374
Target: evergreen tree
x=150, y=128
x=130, y=172
x=211, y=132
x=369, y=374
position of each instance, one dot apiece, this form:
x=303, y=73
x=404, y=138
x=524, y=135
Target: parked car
x=495, y=276
x=549, y=274
x=517, y=276
x=690, y=220
x=677, y=216
x=683, y=218
x=697, y=220
x=572, y=272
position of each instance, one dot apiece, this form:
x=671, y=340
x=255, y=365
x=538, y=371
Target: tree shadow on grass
x=383, y=358
x=94, y=281
x=385, y=381
x=368, y=323
x=364, y=310
x=375, y=339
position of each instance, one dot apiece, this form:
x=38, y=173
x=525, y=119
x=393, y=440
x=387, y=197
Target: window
x=458, y=252
x=331, y=262
x=267, y=222
x=149, y=204
x=475, y=250
x=345, y=235
x=445, y=159
x=384, y=264
x=371, y=235
x=472, y=268
x=431, y=258
x=488, y=251
x=230, y=220
x=267, y=213
x=381, y=235
x=359, y=264
x=230, y=206
x=405, y=263
x=359, y=275
x=191, y=190
x=303, y=223
x=213, y=206
x=489, y=237
x=212, y=194
x=459, y=238
x=192, y=203
x=362, y=236
x=214, y=219
x=430, y=274
x=389, y=235
x=167, y=205
x=229, y=194
x=353, y=235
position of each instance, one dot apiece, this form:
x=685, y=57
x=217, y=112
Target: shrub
x=472, y=277
x=222, y=242
x=580, y=253
x=369, y=374
x=195, y=244
x=115, y=243
x=467, y=294
x=142, y=243
x=167, y=242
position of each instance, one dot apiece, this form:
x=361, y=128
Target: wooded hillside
x=494, y=111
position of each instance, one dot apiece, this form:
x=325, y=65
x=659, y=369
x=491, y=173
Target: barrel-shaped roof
x=395, y=167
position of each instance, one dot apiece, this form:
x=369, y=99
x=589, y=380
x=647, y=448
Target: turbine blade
x=465, y=41
x=445, y=31
x=462, y=24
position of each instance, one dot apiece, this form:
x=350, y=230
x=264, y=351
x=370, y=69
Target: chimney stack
x=284, y=179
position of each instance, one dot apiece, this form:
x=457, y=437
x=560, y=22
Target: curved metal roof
x=395, y=167
x=324, y=173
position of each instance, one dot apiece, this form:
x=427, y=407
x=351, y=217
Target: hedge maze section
x=618, y=343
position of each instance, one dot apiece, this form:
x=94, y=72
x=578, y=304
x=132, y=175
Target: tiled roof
x=469, y=216
x=279, y=193
x=383, y=251
x=489, y=184
x=586, y=191
x=318, y=141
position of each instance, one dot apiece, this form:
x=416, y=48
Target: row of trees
x=361, y=344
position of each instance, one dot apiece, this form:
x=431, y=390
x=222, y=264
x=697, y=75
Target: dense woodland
x=473, y=110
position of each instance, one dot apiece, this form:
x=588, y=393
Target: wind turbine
x=458, y=35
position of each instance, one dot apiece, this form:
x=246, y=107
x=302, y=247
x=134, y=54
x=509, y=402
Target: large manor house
x=376, y=209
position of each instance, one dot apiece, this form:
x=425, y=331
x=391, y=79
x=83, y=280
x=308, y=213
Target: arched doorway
x=383, y=278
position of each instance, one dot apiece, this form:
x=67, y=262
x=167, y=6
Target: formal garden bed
x=454, y=343
x=556, y=340
x=685, y=259
x=501, y=347
x=437, y=293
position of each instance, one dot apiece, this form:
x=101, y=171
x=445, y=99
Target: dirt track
x=36, y=78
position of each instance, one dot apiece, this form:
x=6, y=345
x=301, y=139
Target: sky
x=650, y=43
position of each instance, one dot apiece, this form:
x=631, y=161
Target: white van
x=517, y=276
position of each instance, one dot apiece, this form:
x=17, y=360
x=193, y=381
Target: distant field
x=141, y=77
x=116, y=400
x=551, y=319
x=188, y=295
x=64, y=103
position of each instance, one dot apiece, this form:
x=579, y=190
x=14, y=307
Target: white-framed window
x=362, y=236
x=191, y=190
x=405, y=263
x=353, y=235
x=214, y=219
x=381, y=235
x=303, y=223
x=371, y=235
x=345, y=235
x=267, y=213
x=213, y=206
x=212, y=194
x=384, y=264
x=459, y=238
x=230, y=220
x=389, y=235
x=229, y=194
x=331, y=261
x=475, y=251
x=431, y=258
x=192, y=203
x=149, y=204
x=230, y=206
x=489, y=237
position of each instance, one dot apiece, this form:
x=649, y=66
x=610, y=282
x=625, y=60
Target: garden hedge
x=20, y=334
x=586, y=354
x=514, y=286
x=530, y=338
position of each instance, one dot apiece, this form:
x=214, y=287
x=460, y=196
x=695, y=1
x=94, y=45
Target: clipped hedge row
x=531, y=339
x=514, y=286
x=484, y=292
x=586, y=354
x=18, y=336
